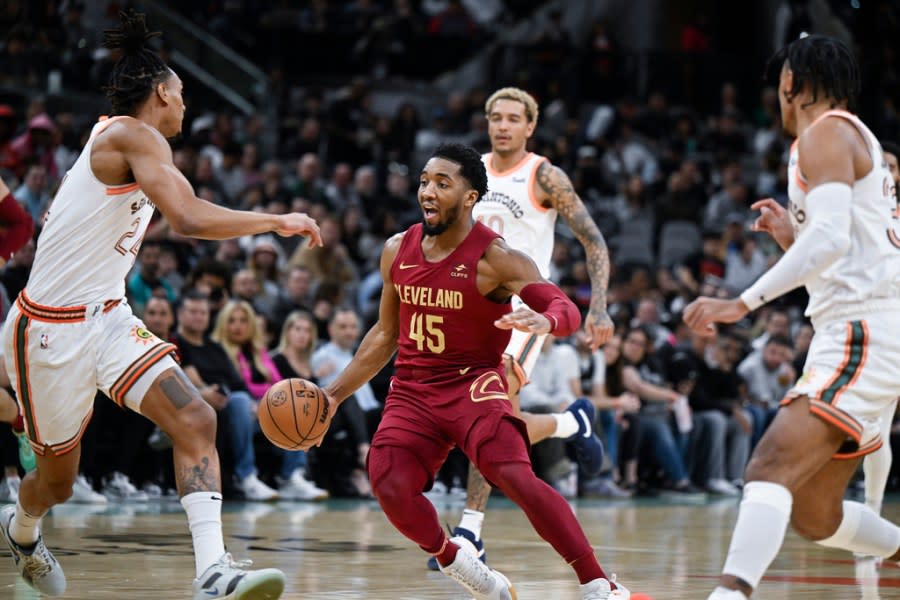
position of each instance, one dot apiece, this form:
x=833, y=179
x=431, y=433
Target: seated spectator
x=146, y=282
x=293, y=360
x=643, y=377
x=330, y=262
x=34, y=193
x=744, y=266
x=778, y=323
x=553, y=387
x=769, y=375
x=346, y=445
x=239, y=333
x=209, y=367
x=613, y=409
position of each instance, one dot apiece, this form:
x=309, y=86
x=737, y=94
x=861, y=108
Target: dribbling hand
x=524, y=319
x=300, y=224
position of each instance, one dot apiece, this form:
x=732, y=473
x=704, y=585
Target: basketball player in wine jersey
x=525, y=196
x=71, y=332
x=842, y=241
x=445, y=308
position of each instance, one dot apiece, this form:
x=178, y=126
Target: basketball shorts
x=523, y=348
x=850, y=378
x=57, y=359
x=430, y=413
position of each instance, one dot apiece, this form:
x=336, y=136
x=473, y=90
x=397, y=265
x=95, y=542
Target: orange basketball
x=294, y=414
x=640, y=596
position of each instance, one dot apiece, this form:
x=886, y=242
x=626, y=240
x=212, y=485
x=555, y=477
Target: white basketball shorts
x=58, y=357
x=850, y=377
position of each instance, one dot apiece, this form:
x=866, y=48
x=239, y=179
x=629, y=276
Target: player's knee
x=195, y=422
x=57, y=489
x=507, y=475
x=815, y=519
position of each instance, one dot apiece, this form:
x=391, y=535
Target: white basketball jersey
x=511, y=209
x=870, y=270
x=91, y=237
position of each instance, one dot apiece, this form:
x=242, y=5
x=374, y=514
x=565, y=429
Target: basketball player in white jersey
x=71, y=332
x=525, y=195
x=840, y=236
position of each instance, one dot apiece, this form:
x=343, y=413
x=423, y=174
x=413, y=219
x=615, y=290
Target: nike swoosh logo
x=219, y=498
x=587, y=433
x=404, y=267
x=464, y=371
x=212, y=592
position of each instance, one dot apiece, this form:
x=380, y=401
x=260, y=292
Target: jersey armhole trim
x=532, y=177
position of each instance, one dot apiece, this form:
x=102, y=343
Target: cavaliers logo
x=488, y=386
x=142, y=335
x=278, y=398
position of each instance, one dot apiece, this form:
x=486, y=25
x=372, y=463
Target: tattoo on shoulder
x=178, y=389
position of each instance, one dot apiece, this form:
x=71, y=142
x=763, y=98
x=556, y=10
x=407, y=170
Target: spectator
x=778, y=323
x=356, y=420
x=34, y=193
x=37, y=146
x=330, y=262
x=210, y=368
x=769, y=375
x=744, y=266
x=293, y=360
x=146, y=282
x=644, y=378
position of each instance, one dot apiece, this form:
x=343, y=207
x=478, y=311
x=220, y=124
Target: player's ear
x=162, y=90
x=529, y=129
x=471, y=198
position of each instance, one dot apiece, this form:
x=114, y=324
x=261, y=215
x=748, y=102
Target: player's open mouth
x=430, y=213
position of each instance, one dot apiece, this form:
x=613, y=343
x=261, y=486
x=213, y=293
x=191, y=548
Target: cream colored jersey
x=91, y=237
x=870, y=271
x=511, y=209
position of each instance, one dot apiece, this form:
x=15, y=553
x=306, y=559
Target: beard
x=442, y=226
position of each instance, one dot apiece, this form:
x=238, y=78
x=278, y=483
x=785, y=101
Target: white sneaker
x=83, y=493
x=298, y=487
x=479, y=580
x=722, y=487
x=721, y=593
x=36, y=565
x=228, y=579
x=119, y=488
x=600, y=589
x=9, y=489
x=254, y=489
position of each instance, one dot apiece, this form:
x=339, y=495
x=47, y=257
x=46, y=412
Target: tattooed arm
x=555, y=188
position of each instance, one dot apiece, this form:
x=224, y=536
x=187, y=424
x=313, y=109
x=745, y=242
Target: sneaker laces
x=39, y=563
x=471, y=575
x=230, y=561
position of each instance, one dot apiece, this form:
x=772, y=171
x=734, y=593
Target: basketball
x=640, y=596
x=293, y=414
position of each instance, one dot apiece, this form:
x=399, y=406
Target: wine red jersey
x=445, y=322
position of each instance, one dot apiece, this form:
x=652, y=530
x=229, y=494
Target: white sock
x=759, y=531
x=877, y=465
x=204, y=513
x=24, y=528
x=566, y=425
x=472, y=520
x=862, y=531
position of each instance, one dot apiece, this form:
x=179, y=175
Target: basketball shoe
x=479, y=580
x=477, y=543
x=588, y=447
x=721, y=593
x=37, y=566
x=600, y=589
x=229, y=579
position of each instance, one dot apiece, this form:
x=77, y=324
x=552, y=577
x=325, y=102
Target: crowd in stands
x=669, y=186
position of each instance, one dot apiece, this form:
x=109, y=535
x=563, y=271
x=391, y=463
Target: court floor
x=346, y=549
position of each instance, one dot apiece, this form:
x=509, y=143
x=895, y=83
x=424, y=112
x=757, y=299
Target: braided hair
x=823, y=63
x=139, y=69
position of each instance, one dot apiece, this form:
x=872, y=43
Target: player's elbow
x=184, y=223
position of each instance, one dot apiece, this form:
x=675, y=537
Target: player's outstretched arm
x=507, y=272
x=380, y=343
x=150, y=159
x=829, y=149
x=557, y=187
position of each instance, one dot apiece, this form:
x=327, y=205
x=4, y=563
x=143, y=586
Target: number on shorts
x=134, y=246
x=432, y=336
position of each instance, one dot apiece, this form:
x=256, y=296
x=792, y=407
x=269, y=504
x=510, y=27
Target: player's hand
x=524, y=319
x=702, y=314
x=299, y=224
x=774, y=220
x=332, y=409
x=599, y=328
